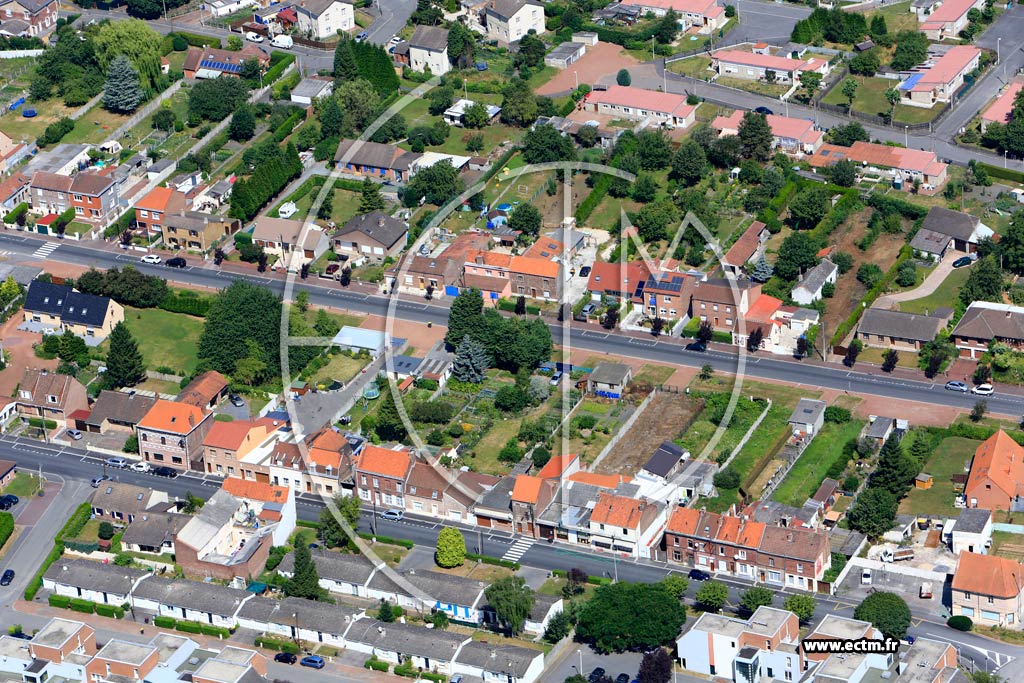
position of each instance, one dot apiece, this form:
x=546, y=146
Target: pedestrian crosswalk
x=45, y=250
x=517, y=550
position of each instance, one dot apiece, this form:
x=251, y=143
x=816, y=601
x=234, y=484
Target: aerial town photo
x=512, y=341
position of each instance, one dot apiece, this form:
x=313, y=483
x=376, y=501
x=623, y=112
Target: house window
x=50, y=398
x=77, y=197
x=967, y=596
x=771, y=561
x=991, y=600
x=799, y=569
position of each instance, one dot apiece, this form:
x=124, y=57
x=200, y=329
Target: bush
x=837, y=415
x=188, y=626
x=496, y=561
x=6, y=527
x=278, y=644
x=376, y=664
x=165, y=622
x=408, y=545
x=110, y=611
x=16, y=213
x=83, y=606
x=55, y=132
x=61, y=601
x=960, y=623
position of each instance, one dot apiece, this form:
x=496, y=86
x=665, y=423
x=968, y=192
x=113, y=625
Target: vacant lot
x=1008, y=545
x=341, y=368
x=949, y=458
x=165, y=339
x=598, y=65
x=665, y=418
x=809, y=471
x=870, y=99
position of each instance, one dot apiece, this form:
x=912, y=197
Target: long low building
x=1001, y=109
x=940, y=82
x=706, y=16
x=948, y=19
x=791, y=135
x=901, y=164
x=754, y=66
x=637, y=104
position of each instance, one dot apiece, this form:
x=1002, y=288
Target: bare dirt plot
x=20, y=355
x=665, y=417
x=849, y=291
x=601, y=61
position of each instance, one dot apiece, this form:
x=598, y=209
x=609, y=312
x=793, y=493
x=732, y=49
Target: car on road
x=622, y=678
x=97, y=481
x=596, y=675
x=585, y=271
x=141, y=466
x=177, y=262
x=764, y=110
x=253, y=37
x=394, y=515
x=6, y=579
x=285, y=658
x=362, y=36
x=152, y=259
x=457, y=678
x=555, y=378
x=313, y=661
x=983, y=390
x=699, y=575
x=236, y=401
x=5, y=505
x=74, y=434
x=119, y=463
x=963, y=261
x=164, y=471
x=395, y=40
x=697, y=346
x=957, y=386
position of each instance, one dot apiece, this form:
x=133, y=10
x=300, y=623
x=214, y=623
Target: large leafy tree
x=359, y=102
x=241, y=312
x=544, y=144
x=439, y=184
x=243, y=124
x=125, y=367
x=874, y=512
x=332, y=533
x=690, y=163
x=525, y=218
x=655, y=667
x=305, y=581
x=808, y=207
x=451, y=548
x=712, y=595
x=756, y=137
x=122, y=93
x=654, y=149
x=511, y=600
x=801, y=605
x=1011, y=245
x=531, y=50
x=985, y=283
x=135, y=40
x=757, y=596
x=887, y=612
x=214, y=99
x=461, y=45
x=519, y=104
x=618, y=617
x=798, y=253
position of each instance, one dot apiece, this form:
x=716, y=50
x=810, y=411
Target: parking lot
x=885, y=579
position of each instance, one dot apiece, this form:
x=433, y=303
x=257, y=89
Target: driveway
x=930, y=284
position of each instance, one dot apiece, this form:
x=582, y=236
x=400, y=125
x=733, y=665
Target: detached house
x=59, y=307
x=996, y=479
x=988, y=590
x=121, y=502
x=808, y=289
x=945, y=229
x=172, y=434
x=943, y=79
x=637, y=104
x=754, y=66
x=375, y=236
x=902, y=165
x=897, y=330
x=286, y=239
x=985, y=322
x=1001, y=109
x=507, y=21
x=210, y=62
x=50, y=395
x=702, y=16
x=790, y=135
x=745, y=250
x=374, y=159
x=767, y=643
x=427, y=49
x=948, y=19
x=321, y=19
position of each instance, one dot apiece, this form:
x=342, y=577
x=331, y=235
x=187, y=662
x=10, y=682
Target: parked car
x=587, y=310
x=6, y=579
x=596, y=675
x=5, y=505
x=254, y=37
x=622, y=678
x=119, y=463
x=97, y=481
x=152, y=259
x=697, y=346
x=394, y=515
x=555, y=378
x=164, y=471
x=177, y=262
x=865, y=577
x=282, y=41
x=963, y=261
x=585, y=271
x=236, y=401
x=764, y=110
x=699, y=575
x=312, y=661
x=10, y=498
x=141, y=466
x=285, y=658
x=957, y=386
x=362, y=36
x=983, y=390
x=74, y=434
x=457, y=678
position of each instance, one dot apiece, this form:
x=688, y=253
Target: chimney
x=191, y=420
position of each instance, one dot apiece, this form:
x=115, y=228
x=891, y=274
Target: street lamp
x=998, y=41
x=580, y=653
x=906, y=136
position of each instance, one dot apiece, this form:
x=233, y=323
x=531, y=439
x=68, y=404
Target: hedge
x=16, y=213
x=277, y=644
x=886, y=205
x=390, y=541
x=496, y=561
x=71, y=528
x=211, y=630
x=1003, y=173
x=82, y=546
x=110, y=611
x=282, y=63
x=83, y=606
x=375, y=664
x=164, y=622
x=406, y=670
x=595, y=580
x=510, y=306
x=37, y=581
x=61, y=601
x=431, y=676
x=6, y=527
x=186, y=302
x=839, y=213
x=307, y=524
x=196, y=40
x=595, y=197
x=188, y=626
x=286, y=128
x=40, y=422
x=960, y=623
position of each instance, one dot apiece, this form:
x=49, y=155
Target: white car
x=253, y=37
x=983, y=390
x=141, y=466
x=153, y=259
x=865, y=577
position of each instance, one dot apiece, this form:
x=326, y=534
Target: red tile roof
x=639, y=98
x=172, y=416
x=879, y=155
x=684, y=521
x=618, y=511
x=255, y=490
x=204, y=389
x=162, y=199
x=605, y=481
x=617, y=277
x=773, y=62
x=988, y=575
x=556, y=466
x=999, y=460
x=746, y=246
x=228, y=435
x=385, y=462
x=763, y=308
x=947, y=68
x=526, y=489
x=997, y=112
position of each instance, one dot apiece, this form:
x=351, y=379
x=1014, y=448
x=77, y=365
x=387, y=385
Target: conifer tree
x=125, y=367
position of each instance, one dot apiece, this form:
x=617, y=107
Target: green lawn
x=655, y=374
x=906, y=359
x=23, y=485
x=898, y=17
x=695, y=67
x=768, y=89
x=95, y=126
x=948, y=459
x=165, y=339
x=341, y=368
x=809, y=471
x=342, y=319
x=487, y=448
x=946, y=294
x=870, y=99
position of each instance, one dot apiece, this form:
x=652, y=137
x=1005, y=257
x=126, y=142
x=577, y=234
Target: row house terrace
x=530, y=276
x=381, y=476
x=728, y=544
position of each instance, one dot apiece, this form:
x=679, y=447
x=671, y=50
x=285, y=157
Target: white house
x=428, y=49
x=206, y=603
x=319, y=19
x=808, y=290
x=496, y=663
x=94, y=581
x=311, y=89
x=763, y=646
x=426, y=649
x=808, y=417
x=972, y=531
x=507, y=21
x=222, y=8
x=626, y=525
x=340, y=573
x=755, y=66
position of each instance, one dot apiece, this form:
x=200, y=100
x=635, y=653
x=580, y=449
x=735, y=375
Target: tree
x=475, y=143
x=305, y=581
x=906, y=274
x=558, y=627
x=846, y=135
x=842, y=173
x=471, y=361
x=370, y=198
x=164, y=120
x=689, y=163
x=475, y=116
x=811, y=81
x=332, y=533
x=461, y=45
x=895, y=471
x=654, y=150
x=464, y=315
x=234, y=43
x=512, y=601
x=251, y=71
x=667, y=27
x=852, y=351
x=878, y=26
x=1011, y=245
x=873, y=513
x=982, y=374
x=511, y=399
x=331, y=118
x=105, y=531
x=243, y=125
x=618, y=617
x=525, y=218
x=911, y=50
x=451, y=548
x=389, y=425
x=985, y=282
x=866, y=63
x=801, y=346
x=385, y=612
x=136, y=41
x=241, y=313
x=531, y=51
x=439, y=619
x=850, y=92
x=892, y=96
x=125, y=366
x=655, y=667
x=887, y=612
x=754, y=339
x=756, y=138
x=800, y=605
x=122, y=92
x=869, y=274
x=359, y=102
x=645, y=189
x=797, y=254
x=711, y=596
x=345, y=68
x=213, y=99
x=705, y=332
x=519, y=104
x=611, y=318
x=520, y=305
x=979, y=410
x=755, y=597
x=623, y=78
x=808, y=207
x=544, y=144
x=438, y=184
x=762, y=270
x=890, y=360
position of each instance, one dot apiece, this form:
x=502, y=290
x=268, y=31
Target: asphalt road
x=581, y=336
x=765, y=21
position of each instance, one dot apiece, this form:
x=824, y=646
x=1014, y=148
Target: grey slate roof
x=505, y=9
x=972, y=520
x=374, y=154
x=311, y=87
x=912, y=326
x=316, y=616
x=664, y=459
x=807, y=411
x=817, y=276
x=406, y=639
x=610, y=373
x=260, y=609
x=201, y=597
x=880, y=427
x=542, y=603
x=354, y=569
x=989, y=321
x=23, y=275
x=453, y=590
x=952, y=223
x=506, y=660
x=152, y=529
x=499, y=497
x=564, y=51
x=121, y=406
x=432, y=38
x=70, y=305
x=404, y=364
x=377, y=225
x=929, y=241
x=106, y=578
x=121, y=497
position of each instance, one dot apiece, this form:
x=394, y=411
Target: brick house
x=530, y=497
x=60, y=638
x=228, y=442
x=205, y=391
x=381, y=475
x=197, y=231
x=209, y=62
x=28, y=17
x=122, y=660
x=984, y=322
x=151, y=210
x=626, y=525
x=988, y=589
x=172, y=434
x=996, y=479
x=375, y=160
x=50, y=395
x=536, y=278
x=95, y=198
x=375, y=236
x=721, y=302
x=121, y=502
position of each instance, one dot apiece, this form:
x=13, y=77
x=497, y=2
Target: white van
x=282, y=41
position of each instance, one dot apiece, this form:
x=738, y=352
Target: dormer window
x=50, y=398
x=24, y=393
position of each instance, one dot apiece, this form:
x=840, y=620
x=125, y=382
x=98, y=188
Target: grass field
x=165, y=339
x=695, y=67
x=23, y=485
x=341, y=368
x=907, y=359
x=946, y=294
x=809, y=470
x=898, y=17
x=767, y=89
x=342, y=319
x=655, y=374
x=870, y=99
x=949, y=458
x=487, y=448
x=1006, y=544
